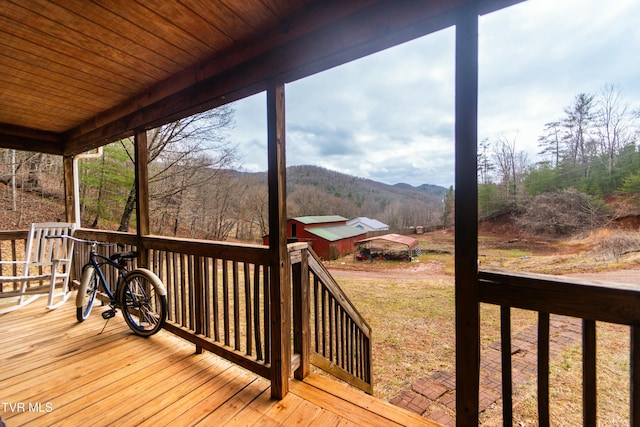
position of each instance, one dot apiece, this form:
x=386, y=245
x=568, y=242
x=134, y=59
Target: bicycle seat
x=129, y=255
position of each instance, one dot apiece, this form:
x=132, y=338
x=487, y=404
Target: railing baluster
x=331, y=304
x=199, y=287
x=247, y=309
x=192, y=287
x=543, y=369
x=236, y=307
x=206, y=283
x=336, y=322
x=225, y=302
x=176, y=285
x=323, y=300
x=316, y=311
x=589, y=386
x=215, y=282
x=267, y=314
x=184, y=290
x=507, y=380
x=256, y=311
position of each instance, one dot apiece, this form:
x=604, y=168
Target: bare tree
x=613, y=120
x=511, y=166
x=177, y=152
x=551, y=143
x=485, y=163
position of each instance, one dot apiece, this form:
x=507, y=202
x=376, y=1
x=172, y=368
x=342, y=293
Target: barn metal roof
x=320, y=219
x=336, y=232
x=373, y=224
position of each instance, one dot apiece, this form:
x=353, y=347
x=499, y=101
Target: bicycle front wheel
x=143, y=302
x=86, y=293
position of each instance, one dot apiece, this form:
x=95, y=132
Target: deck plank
x=67, y=373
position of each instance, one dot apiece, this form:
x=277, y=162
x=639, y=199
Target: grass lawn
x=412, y=318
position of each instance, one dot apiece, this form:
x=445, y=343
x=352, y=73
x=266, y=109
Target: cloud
x=390, y=116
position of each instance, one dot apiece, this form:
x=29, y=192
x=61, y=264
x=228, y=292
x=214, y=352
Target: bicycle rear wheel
x=86, y=293
x=143, y=302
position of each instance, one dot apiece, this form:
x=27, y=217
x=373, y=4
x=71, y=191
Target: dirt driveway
x=434, y=270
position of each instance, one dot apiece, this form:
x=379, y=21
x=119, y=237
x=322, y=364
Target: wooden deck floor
x=55, y=371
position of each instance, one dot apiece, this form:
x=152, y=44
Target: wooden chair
x=46, y=261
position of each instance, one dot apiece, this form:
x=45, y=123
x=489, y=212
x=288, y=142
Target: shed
x=388, y=247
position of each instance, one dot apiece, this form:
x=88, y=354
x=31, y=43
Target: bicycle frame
x=97, y=260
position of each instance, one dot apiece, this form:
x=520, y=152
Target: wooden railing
x=12, y=248
x=217, y=293
x=218, y=299
x=327, y=323
x=588, y=300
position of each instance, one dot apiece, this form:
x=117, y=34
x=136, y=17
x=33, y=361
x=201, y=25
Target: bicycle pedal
x=108, y=314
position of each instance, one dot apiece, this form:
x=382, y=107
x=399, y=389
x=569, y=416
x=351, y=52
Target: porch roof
x=77, y=75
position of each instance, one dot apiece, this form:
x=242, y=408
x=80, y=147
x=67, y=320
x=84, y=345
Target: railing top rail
x=13, y=234
x=107, y=236
x=583, y=298
x=257, y=254
x=297, y=246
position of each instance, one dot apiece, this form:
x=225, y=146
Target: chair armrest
x=9, y=263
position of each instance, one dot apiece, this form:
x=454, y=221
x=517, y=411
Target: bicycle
x=139, y=292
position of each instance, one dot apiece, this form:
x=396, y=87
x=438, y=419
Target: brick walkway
x=434, y=397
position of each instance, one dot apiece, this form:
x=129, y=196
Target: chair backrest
x=41, y=251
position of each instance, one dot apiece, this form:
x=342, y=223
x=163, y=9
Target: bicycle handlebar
x=75, y=239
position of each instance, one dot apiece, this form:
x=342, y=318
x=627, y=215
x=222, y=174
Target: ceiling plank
x=291, y=56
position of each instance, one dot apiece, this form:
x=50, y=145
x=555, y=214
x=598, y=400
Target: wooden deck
x=55, y=371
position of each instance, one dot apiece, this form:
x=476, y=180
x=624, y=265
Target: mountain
x=313, y=190
x=342, y=184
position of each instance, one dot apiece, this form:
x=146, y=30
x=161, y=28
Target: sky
x=390, y=116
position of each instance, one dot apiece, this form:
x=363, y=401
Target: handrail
x=589, y=300
x=340, y=337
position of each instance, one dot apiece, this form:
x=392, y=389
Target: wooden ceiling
x=76, y=74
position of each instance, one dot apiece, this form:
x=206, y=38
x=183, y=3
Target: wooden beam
x=466, y=219
x=142, y=193
x=25, y=139
x=279, y=255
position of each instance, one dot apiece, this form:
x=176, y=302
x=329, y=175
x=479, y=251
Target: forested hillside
x=313, y=190
x=202, y=200
x=587, y=176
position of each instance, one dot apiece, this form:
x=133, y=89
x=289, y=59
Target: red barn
x=329, y=236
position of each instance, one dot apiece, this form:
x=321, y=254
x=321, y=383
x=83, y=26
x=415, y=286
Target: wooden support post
x=589, y=374
x=635, y=376
x=142, y=194
x=301, y=330
x=543, y=369
x=280, y=292
x=69, y=189
x=466, y=219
